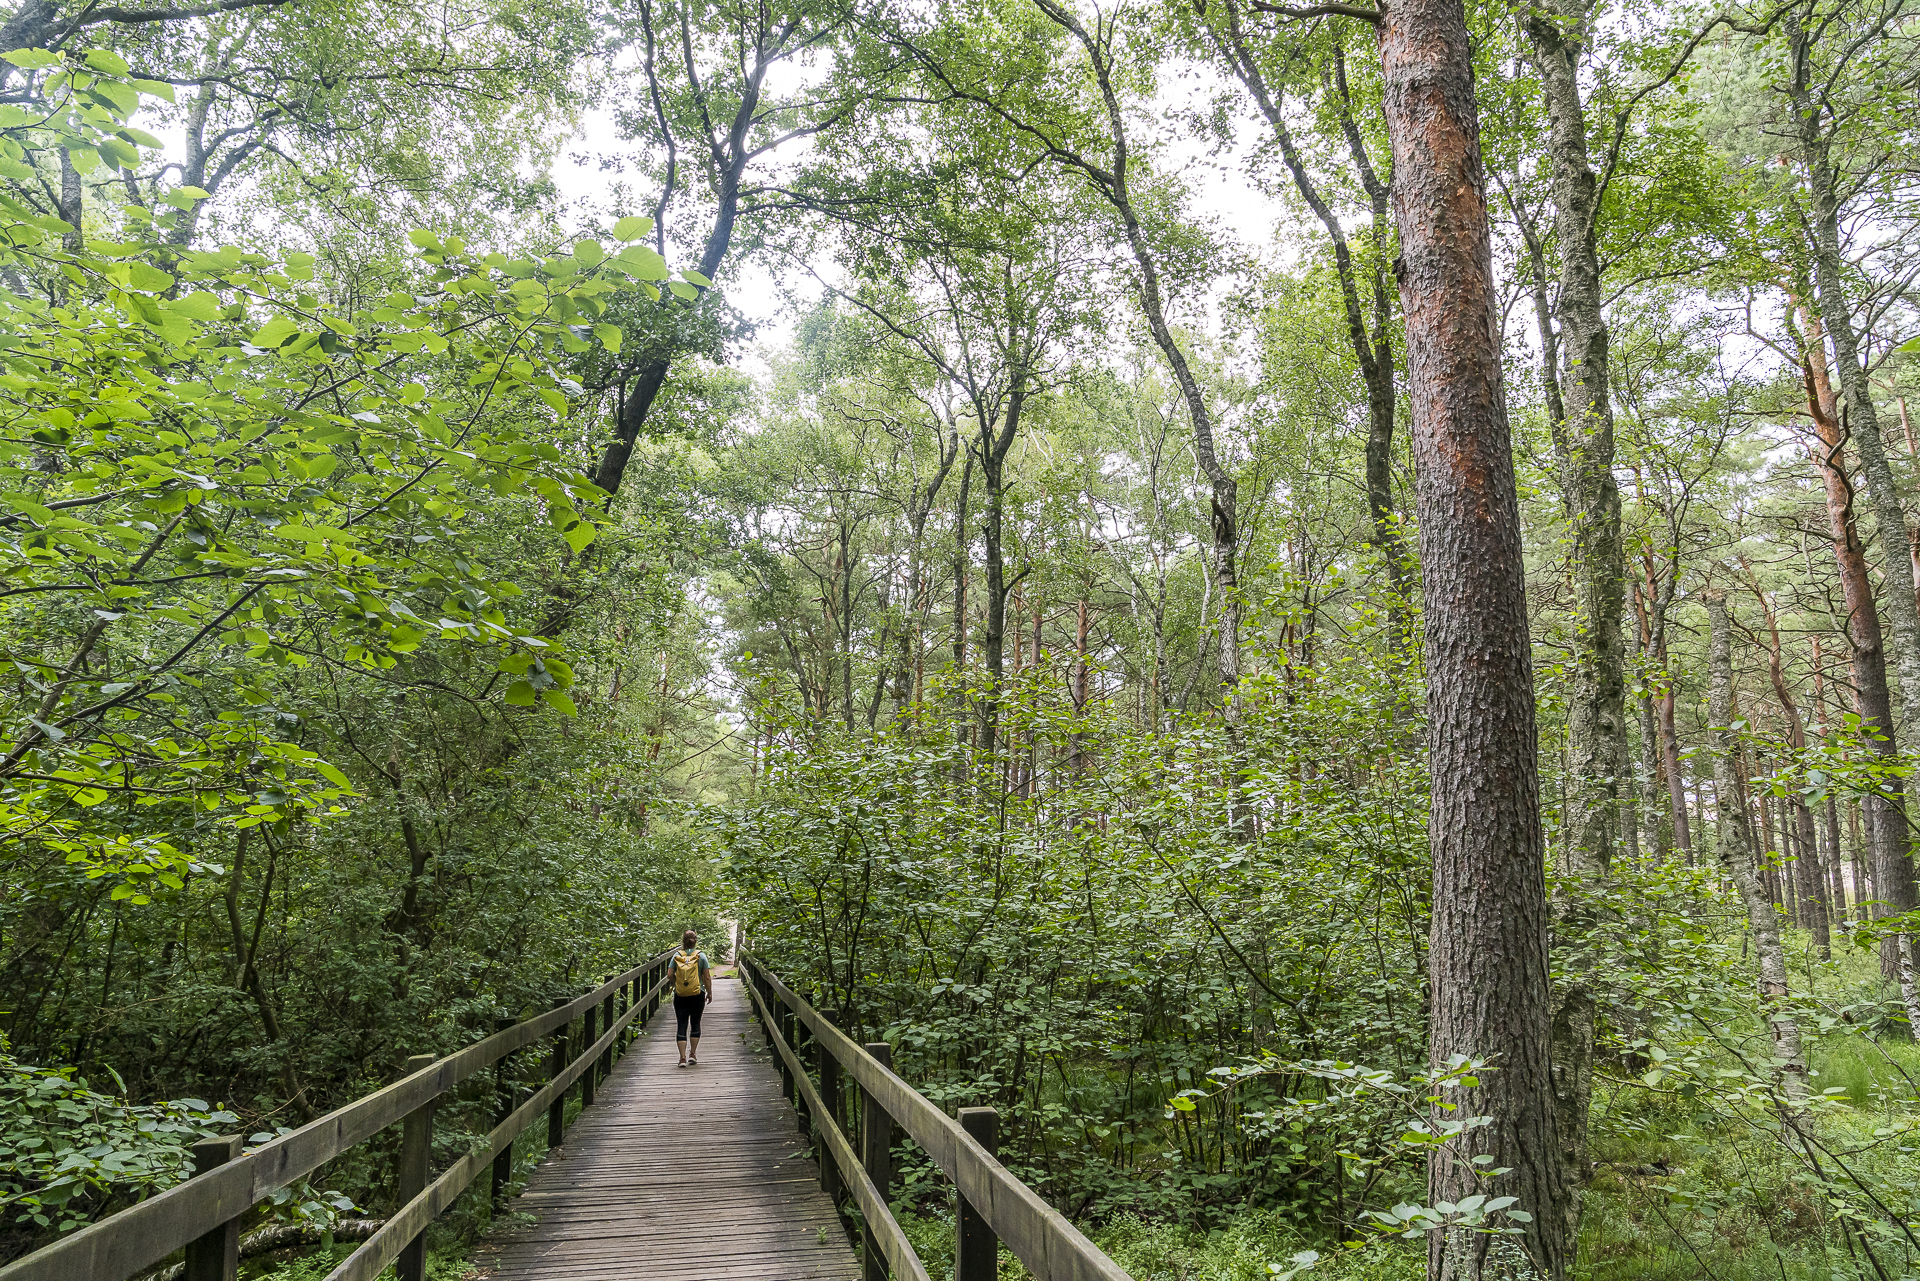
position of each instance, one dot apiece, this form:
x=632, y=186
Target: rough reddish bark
x=1886, y=817
x=1489, y=932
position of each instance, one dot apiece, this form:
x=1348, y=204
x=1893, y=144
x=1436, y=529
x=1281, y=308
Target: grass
x=1706, y=1190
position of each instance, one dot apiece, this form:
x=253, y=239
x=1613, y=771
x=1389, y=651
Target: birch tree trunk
x=1733, y=843
x=1656, y=812
x=1808, y=881
x=1583, y=441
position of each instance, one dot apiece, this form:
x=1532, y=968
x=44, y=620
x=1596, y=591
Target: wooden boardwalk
x=688, y=1174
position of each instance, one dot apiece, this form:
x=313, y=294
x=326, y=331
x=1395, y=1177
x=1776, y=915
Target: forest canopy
x=1320, y=603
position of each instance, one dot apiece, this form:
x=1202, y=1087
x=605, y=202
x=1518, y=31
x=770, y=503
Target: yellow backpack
x=686, y=974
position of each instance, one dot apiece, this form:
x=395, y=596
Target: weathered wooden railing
x=203, y=1215
x=994, y=1206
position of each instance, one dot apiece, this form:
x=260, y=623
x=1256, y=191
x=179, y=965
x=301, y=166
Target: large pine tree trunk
x=1488, y=950
x=1733, y=841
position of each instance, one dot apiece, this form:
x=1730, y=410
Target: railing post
x=876, y=1153
x=586, y=1043
x=416, y=1164
x=829, y=1070
x=606, y=1024
x=556, y=1064
x=502, y=1109
x=803, y=1050
x=791, y=1087
x=215, y=1255
x=976, y=1253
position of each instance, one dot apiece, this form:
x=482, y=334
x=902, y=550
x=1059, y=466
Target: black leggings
x=686, y=1015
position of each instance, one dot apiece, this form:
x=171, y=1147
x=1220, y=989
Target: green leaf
x=149, y=279
x=579, y=535
x=588, y=253
x=697, y=279
x=108, y=61
x=32, y=59
x=558, y=699
x=275, y=332
x=520, y=694
x=632, y=228
x=423, y=239
x=643, y=264
x=195, y=307
x=610, y=337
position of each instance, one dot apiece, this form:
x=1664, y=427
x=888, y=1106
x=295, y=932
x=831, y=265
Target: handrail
x=871, y=1200
x=1040, y=1236
x=140, y=1236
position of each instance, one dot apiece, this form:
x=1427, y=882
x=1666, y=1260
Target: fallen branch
x=284, y=1236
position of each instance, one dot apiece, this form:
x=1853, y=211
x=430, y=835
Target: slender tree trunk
x=1807, y=878
x=1080, y=736
x=993, y=639
x=1856, y=857
x=1862, y=419
x=1658, y=813
x=961, y=570
x=72, y=206
x=1491, y=998
x=1886, y=820
x=1372, y=348
x=1670, y=746
x=1583, y=438
x=1737, y=855
x=1113, y=182
x=1836, y=859
x=843, y=621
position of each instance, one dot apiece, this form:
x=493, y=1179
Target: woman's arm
x=706, y=975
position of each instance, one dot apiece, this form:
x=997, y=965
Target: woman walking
x=692, y=989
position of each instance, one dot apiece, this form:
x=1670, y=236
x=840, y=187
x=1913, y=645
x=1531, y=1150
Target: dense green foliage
x=421, y=595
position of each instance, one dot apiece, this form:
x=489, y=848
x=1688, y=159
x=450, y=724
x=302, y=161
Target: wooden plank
x=679, y=1172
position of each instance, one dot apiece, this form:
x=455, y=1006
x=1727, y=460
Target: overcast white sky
x=1220, y=193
